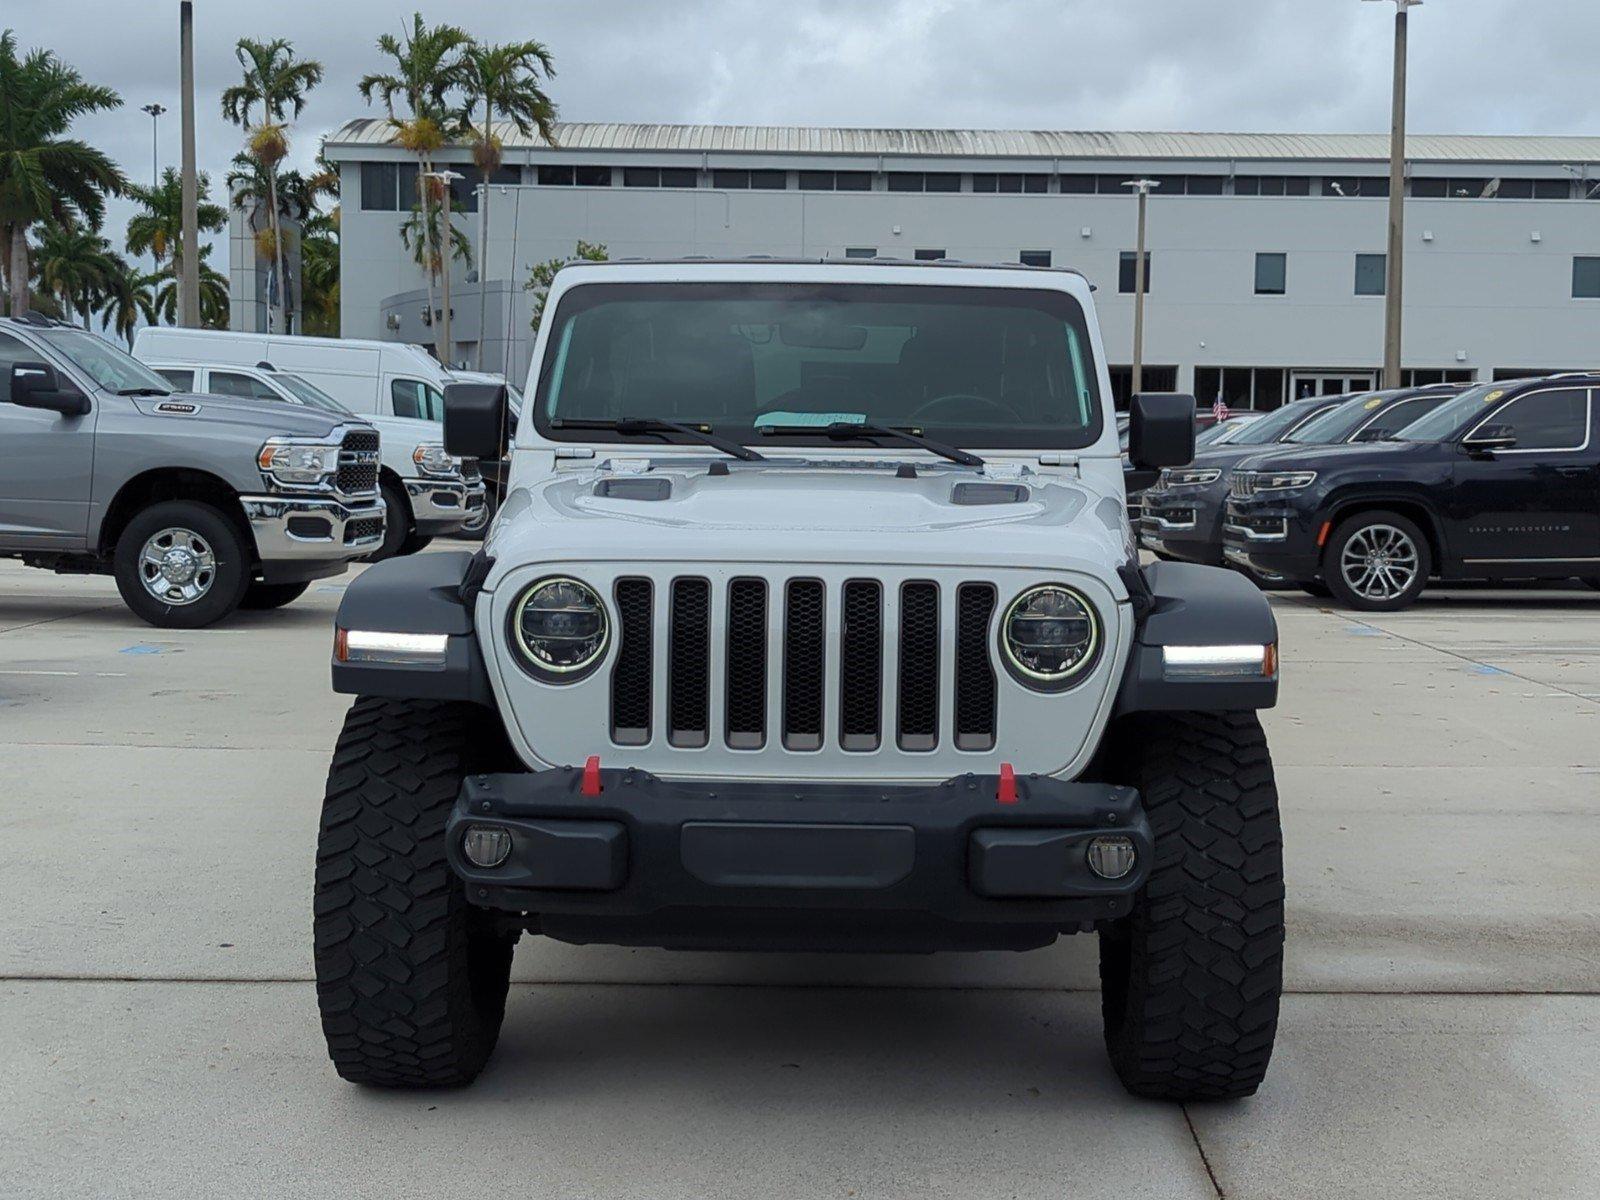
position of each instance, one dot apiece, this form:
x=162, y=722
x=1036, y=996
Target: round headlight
x=560, y=630
x=1050, y=636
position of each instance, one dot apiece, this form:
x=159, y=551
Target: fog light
x=1111, y=857
x=486, y=845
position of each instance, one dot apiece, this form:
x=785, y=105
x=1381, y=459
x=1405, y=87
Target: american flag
x=1219, y=410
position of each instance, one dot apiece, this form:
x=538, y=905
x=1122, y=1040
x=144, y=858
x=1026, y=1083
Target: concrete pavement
x=1440, y=773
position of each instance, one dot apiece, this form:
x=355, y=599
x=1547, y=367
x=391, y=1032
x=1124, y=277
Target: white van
x=381, y=378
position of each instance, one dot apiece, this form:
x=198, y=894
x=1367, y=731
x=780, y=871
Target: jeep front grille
x=1242, y=485
x=358, y=463
x=835, y=658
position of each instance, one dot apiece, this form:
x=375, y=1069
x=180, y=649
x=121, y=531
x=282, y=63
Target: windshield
x=1338, y=423
x=1444, y=421
x=970, y=366
x=1273, y=426
x=310, y=394
x=1224, y=432
x=113, y=369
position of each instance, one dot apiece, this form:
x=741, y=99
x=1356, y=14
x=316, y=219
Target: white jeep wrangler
x=811, y=620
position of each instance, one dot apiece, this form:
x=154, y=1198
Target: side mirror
x=37, y=385
x=1488, y=439
x=1161, y=430
x=476, y=418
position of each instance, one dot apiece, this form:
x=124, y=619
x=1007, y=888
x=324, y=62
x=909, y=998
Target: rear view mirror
x=476, y=419
x=37, y=385
x=1161, y=430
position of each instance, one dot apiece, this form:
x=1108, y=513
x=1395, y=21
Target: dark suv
x=1182, y=516
x=1502, y=482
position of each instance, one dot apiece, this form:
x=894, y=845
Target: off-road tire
x=227, y=546
x=411, y=979
x=1348, y=529
x=415, y=542
x=1316, y=588
x=272, y=595
x=1190, y=979
x=396, y=522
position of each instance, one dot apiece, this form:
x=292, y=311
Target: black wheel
x=414, y=543
x=411, y=979
x=1190, y=979
x=1315, y=587
x=1377, y=562
x=181, y=564
x=272, y=595
x=396, y=522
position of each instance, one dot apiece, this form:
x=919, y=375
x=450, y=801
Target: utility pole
x=1142, y=186
x=445, y=346
x=483, y=282
x=189, y=283
x=155, y=111
x=1394, y=284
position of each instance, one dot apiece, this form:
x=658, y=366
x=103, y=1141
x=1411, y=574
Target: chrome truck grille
x=775, y=671
x=358, y=464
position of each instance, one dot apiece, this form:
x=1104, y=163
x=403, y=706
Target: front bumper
x=1270, y=537
x=1186, y=525
x=311, y=529
x=442, y=505
x=815, y=865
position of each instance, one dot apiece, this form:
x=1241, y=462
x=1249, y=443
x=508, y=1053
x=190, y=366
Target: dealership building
x=1266, y=251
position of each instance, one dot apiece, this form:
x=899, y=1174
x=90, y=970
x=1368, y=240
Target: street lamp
x=1143, y=187
x=1394, y=266
x=155, y=111
x=444, y=345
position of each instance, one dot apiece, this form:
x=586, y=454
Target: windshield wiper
x=848, y=431
x=142, y=391
x=650, y=427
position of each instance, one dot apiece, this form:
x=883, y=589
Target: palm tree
x=158, y=229
x=277, y=82
x=78, y=266
x=45, y=175
x=214, y=300
x=503, y=81
x=423, y=236
x=130, y=300
x=428, y=67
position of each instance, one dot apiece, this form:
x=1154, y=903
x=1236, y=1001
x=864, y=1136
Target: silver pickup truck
x=196, y=504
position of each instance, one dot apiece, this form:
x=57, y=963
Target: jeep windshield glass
x=1446, y=420
x=969, y=366
x=310, y=395
x=111, y=368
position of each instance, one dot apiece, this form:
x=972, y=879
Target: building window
x=672, y=177
x=561, y=175
x=861, y=252
x=555, y=175
x=388, y=187
x=1258, y=388
x=1272, y=274
x=1586, y=278
x=924, y=181
x=773, y=181
x=928, y=255
x=1423, y=376
x=593, y=176
x=838, y=181
x=1204, y=185
x=1078, y=185
x=905, y=181
x=1371, y=274
x=1364, y=186
x=985, y=182
x=1127, y=274
x=1035, y=258
x=1153, y=379
x=1271, y=185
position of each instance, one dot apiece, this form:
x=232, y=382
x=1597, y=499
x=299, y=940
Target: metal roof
x=1018, y=143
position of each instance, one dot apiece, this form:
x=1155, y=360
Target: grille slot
x=861, y=666
x=747, y=664
x=362, y=529
x=689, y=664
x=631, y=677
x=919, y=666
x=355, y=476
x=804, y=664
x=975, y=683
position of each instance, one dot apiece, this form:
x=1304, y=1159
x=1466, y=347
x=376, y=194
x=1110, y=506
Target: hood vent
x=634, y=489
x=973, y=494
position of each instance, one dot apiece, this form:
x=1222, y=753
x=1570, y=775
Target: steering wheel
x=924, y=411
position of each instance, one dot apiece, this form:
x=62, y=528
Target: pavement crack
x=1205, y=1160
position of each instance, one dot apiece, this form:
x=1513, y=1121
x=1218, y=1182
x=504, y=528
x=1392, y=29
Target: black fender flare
x=420, y=593
x=1185, y=604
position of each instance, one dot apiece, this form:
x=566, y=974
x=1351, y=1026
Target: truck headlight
x=296, y=463
x=1189, y=476
x=432, y=460
x=1050, y=637
x=559, y=629
x=1283, y=481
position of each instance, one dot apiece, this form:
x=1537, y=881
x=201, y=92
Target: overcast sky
x=1478, y=66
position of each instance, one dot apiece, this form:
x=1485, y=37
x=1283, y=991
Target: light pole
x=189, y=279
x=1143, y=187
x=155, y=111
x=1394, y=285
x=446, y=178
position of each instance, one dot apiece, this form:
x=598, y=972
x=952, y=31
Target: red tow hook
x=1007, y=791
x=591, y=776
